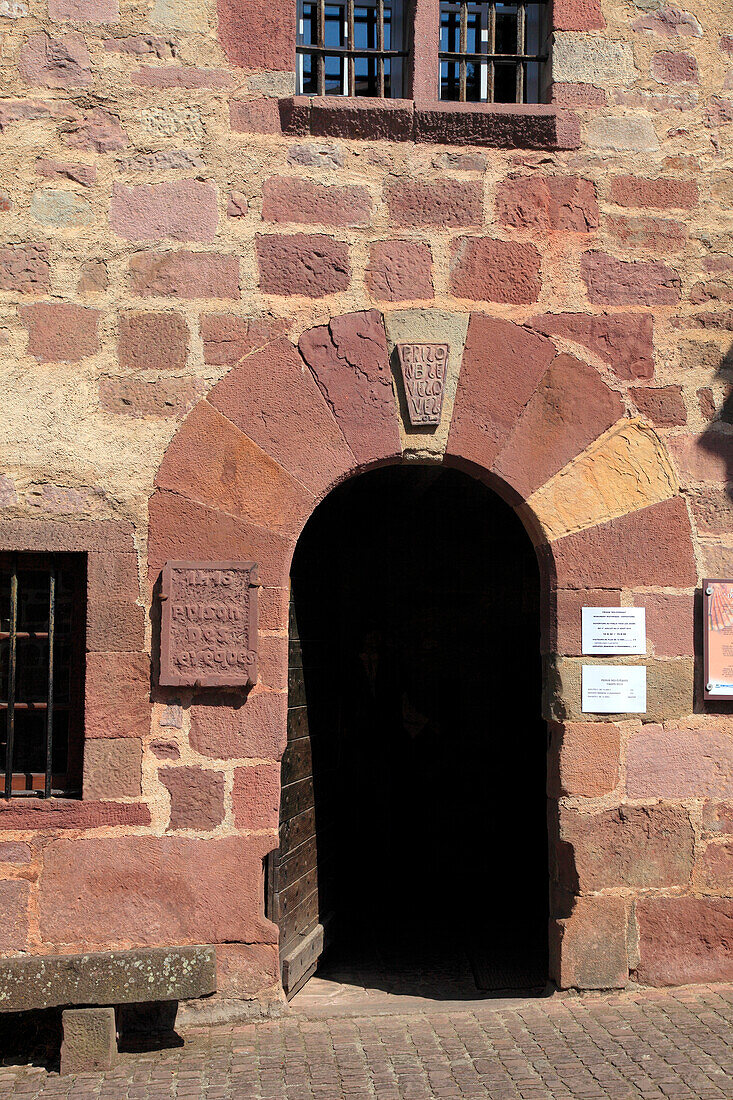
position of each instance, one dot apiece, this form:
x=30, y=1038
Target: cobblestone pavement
x=675, y=1045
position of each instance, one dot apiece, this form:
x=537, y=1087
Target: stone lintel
x=106, y=978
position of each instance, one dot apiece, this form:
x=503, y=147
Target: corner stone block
x=684, y=940
x=90, y=1040
x=588, y=949
x=256, y=796
x=502, y=367
x=350, y=363
x=244, y=970
x=112, y=767
x=276, y=402
x=257, y=728
x=584, y=758
x=117, y=695
x=14, y=897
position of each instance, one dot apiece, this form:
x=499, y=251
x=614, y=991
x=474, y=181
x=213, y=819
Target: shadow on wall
x=717, y=439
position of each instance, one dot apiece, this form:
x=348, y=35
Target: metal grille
x=491, y=52
x=350, y=48
x=41, y=678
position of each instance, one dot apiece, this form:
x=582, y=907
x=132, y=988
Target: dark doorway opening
x=413, y=829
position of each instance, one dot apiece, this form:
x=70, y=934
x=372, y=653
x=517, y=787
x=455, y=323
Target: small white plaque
x=614, y=630
x=614, y=689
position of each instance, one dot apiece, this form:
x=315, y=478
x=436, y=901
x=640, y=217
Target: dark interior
x=416, y=595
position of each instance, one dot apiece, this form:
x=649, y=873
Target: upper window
x=350, y=48
x=42, y=643
x=491, y=52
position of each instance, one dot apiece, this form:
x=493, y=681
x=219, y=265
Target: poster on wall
x=718, y=638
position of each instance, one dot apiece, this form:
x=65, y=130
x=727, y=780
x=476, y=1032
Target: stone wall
x=173, y=225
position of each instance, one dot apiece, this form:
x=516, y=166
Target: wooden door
x=293, y=899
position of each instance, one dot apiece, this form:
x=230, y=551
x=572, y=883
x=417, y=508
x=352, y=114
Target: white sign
x=614, y=630
x=614, y=689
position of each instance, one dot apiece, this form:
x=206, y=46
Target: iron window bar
x=319, y=20
x=490, y=24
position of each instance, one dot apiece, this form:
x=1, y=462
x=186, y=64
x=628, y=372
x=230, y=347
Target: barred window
x=350, y=48
x=42, y=645
x=492, y=52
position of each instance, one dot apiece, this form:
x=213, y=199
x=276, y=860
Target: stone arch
x=593, y=486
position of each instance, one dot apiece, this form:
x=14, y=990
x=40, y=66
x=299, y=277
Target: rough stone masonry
x=202, y=278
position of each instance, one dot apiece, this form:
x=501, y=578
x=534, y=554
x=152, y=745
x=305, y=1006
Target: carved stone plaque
x=208, y=632
x=424, y=370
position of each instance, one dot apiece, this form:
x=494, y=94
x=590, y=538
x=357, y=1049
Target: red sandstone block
x=650, y=547
x=495, y=271
x=50, y=815
x=255, y=116
x=630, y=846
x=181, y=529
x=245, y=969
x=117, y=695
x=350, y=364
x=25, y=268
x=197, y=797
x=273, y=608
x=310, y=265
x=497, y=125
x=254, y=728
x=704, y=457
x=436, y=202
x=400, y=271
x=674, y=67
x=113, y=767
x=547, y=203
x=577, y=15
x=185, y=210
x=277, y=403
x=583, y=758
x=50, y=536
x=256, y=796
x=272, y=666
x=213, y=462
x=680, y=763
x=60, y=62
x=14, y=898
x=112, y=576
x=291, y=199
x=562, y=634
x=502, y=366
x=588, y=949
x=259, y=34
x=570, y=408
x=84, y=11
x=684, y=940
x=713, y=511
x=160, y=398
x=154, y=890
x=670, y=623
x=15, y=851
x=97, y=130
x=228, y=339
x=152, y=341
x=649, y=234
x=661, y=193
x=114, y=622
x=363, y=118
x=610, y=281
x=717, y=818
x=59, y=331
x=577, y=95
x=84, y=174
x=624, y=342
x=714, y=869
x=184, y=275
x=663, y=405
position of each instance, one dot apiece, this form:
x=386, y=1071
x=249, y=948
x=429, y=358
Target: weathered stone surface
x=60, y=331
x=197, y=797
x=680, y=763
x=50, y=168
x=245, y=969
x=669, y=22
x=670, y=623
x=290, y=199
x=610, y=281
x=583, y=758
x=577, y=15
x=52, y=814
x=228, y=339
x=213, y=462
x=495, y=271
x=670, y=689
x=61, y=62
x=160, y=398
x=674, y=67
x=256, y=796
x=630, y=846
x=97, y=130
x=117, y=695
x=592, y=59
x=15, y=851
x=311, y=265
x=714, y=869
x=656, y=235
x=183, y=76
x=253, y=729
x=277, y=403
x=90, y=1040
x=260, y=36
x=14, y=897
x=400, y=271
x=502, y=366
x=548, y=203
x=350, y=364
x=184, y=211
x=106, y=978
x=625, y=470
x=704, y=457
x=436, y=202
x=713, y=510
x=561, y=617
x=93, y=277
x=113, y=767
x=621, y=133
x=25, y=269
x=154, y=890
x=661, y=192
x=684, y=940
x=625, y=342
x=717, y=818
x=184, y=15
x=152, y=341
x=663, y=405
x=588, y=948
x=184, y=275
x=570, y=408
x=84, y=11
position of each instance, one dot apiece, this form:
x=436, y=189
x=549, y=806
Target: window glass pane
x=334, y=75
x=307, y=25
x=335, y=25
x=505, y=83
x=449, y=88
x=533, y=26
x=473, y=82
x=532, y=82
x=506, y=29
x=309, y=86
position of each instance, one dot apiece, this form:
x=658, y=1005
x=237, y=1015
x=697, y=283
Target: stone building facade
x=203, y=280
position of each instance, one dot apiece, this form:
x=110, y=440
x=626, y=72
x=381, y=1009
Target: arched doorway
x=413, y=839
